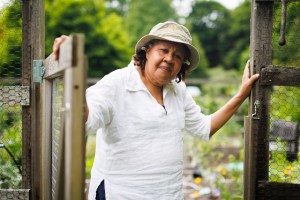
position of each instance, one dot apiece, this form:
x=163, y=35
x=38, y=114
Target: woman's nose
x=168, y=58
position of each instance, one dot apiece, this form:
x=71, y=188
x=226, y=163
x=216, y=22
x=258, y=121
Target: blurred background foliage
x=112, y=28
x=10, y=147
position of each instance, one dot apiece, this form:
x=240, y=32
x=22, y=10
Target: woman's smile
x=166, y=69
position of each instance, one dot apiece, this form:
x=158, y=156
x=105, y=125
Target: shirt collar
x=135, y=83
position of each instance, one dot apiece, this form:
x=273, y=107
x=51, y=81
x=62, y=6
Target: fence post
x=32, y=48
x=257, y=126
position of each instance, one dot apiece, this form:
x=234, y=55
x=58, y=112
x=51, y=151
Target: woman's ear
x=147, y=51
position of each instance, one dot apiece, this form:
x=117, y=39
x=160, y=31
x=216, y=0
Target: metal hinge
x=38, y=71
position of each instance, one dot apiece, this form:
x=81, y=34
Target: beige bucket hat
x=171, y=31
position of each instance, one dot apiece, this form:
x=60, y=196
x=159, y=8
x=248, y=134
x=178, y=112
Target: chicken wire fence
x=12, y=96
x=284, y=157
x=57, y=126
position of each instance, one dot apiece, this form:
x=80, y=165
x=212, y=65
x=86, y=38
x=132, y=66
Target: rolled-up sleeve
x=196, y=123
x=99, y=101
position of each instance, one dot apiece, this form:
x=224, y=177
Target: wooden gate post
x=257, y=122
x=32, y=48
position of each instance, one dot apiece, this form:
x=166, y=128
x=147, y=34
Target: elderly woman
x=140, y=113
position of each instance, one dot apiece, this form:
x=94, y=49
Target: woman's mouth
x=165, y=68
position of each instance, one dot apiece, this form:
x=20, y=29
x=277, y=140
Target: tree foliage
x=110, y=32
x=208, y=20
x=11, y=140
x=201, y=70
x=118, y=6
x=224, y=33
x=238, y=36
x=107, y=45
x=143, y=15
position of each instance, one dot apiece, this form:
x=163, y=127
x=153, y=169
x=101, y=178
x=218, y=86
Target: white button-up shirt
x=139, y=150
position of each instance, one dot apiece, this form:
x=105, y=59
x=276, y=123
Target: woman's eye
x=179, y=57
x=164, y=50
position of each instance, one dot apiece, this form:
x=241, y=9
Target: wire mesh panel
x=273, y=142
x=284, y=135
x=16, y=194
x=283, y=179
x=57, y=103
x=287, y=53
x=285, y=101
x=12, y=95
x=10, y=40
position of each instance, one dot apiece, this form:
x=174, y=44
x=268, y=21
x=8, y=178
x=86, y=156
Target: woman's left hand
x=247, y=81
x=221, y=116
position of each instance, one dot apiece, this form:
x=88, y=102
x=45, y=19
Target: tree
x=118, y=6
x=225, y=34
x=201, y=70
x=209, y=22
x=143, y=15
x=107, y=44
x=238, y=36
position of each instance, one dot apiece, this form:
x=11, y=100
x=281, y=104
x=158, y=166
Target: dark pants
x=100, y=193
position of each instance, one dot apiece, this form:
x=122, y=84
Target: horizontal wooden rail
x=280, y=75
x=54, y=68
x=276, y=191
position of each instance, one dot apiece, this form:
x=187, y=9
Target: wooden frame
x=33, y=39
x=36, y=117
x=71, y=66
x=256, y=127
x=275, y=75
x=256, y=164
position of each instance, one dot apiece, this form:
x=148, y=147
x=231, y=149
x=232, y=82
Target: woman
x=140, y=113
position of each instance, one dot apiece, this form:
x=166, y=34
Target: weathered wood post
x=257, y=121
x=33, y=38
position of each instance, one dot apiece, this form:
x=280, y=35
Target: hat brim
x=194, y=57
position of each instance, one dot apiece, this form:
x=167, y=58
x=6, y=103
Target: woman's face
x=163, y=61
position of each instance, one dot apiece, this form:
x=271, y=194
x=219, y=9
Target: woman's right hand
x=56, y=45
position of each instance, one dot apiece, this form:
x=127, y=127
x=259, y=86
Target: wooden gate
x=63, y=127
x=274, y=104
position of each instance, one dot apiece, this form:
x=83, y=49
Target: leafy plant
x=222, y=172
x=89, y=155
x=11, y=143
x=280, y=169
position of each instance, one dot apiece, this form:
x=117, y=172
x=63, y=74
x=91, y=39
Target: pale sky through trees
x=230, y=4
